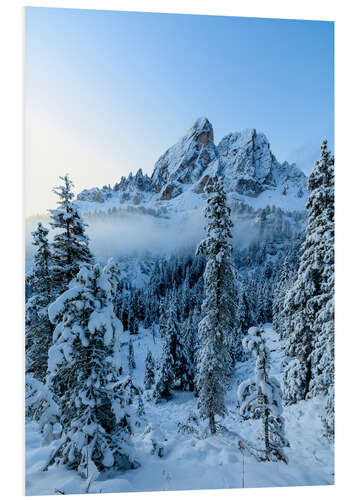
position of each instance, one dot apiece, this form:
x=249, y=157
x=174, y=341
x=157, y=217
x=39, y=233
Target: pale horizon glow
x=108, y=92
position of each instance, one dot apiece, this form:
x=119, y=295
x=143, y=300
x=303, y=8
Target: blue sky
x=109, y=92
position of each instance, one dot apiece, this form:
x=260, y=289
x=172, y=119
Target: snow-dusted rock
x=243, y=159
x=94, y=194
x=250, y=167
x=185, y=162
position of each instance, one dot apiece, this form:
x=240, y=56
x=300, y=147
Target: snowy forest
x=196, y=367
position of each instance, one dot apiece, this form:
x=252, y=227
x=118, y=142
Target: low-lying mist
x=140, y=234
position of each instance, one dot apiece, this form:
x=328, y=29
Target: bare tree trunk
x=308, y=378
x=241, y=447
x=266, y=431
x=212, y=423
x=87, y=459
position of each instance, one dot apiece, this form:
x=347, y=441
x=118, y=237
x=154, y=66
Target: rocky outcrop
x=186, y=161
x=202, y=184
x=170, y=191
x=137, y=182
x=250, y=167
x=91, y=195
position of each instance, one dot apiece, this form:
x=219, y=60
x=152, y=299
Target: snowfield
x=191, y=460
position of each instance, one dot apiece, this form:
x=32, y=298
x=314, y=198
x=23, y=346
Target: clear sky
x=107, y=93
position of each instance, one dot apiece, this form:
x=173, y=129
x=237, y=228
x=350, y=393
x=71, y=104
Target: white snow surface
x=191, y=461
x=190, y=200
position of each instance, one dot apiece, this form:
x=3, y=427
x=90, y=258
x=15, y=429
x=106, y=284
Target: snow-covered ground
x=189, y=460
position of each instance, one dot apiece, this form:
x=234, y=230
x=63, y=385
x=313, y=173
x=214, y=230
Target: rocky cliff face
x=250, y=167
x=243, y=159
x=185, y=162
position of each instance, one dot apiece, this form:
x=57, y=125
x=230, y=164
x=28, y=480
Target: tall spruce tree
x=149, y=379
x=70, y=247
x=243, y=322
x=216, y=328
x=129, y=408
x=173, y=365
x=260, y=398
x=38, y=326
x=84, y=365
x=189, y=330
x=243, y=313
x=309, y=306
x=323, y=374
x=281, y=289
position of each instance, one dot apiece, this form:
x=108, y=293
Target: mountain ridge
x=244, y=160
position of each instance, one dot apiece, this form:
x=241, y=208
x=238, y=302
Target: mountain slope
x=244, y=160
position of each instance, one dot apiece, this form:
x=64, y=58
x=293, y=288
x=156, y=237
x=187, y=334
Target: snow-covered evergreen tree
x=216, y=329
x=173, y=365
x=131, y=320
x=136, y=326
x=244, y=316
x=189, y=330
x=243, y=322
x=147, y=316
x=260, y=398
x=140, y=411
x=124, y=312
x=323, y=356
x=70, y=247
x=278, y=301
x=309, y=305
x=328, y=419
x=252, y=297
x=128, y=406
x=84, y=365
x=165, y=379
x=163, y=309
x=260, y=310
x=42, y=407
x=149, y=379
x=38, y=326
x=294, y=381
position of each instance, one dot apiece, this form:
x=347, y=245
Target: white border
x=12, y=255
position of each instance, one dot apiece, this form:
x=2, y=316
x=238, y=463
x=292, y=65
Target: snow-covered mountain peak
x=203, y=129
x=185, y=162
x=251, y=168
x=242, y=159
